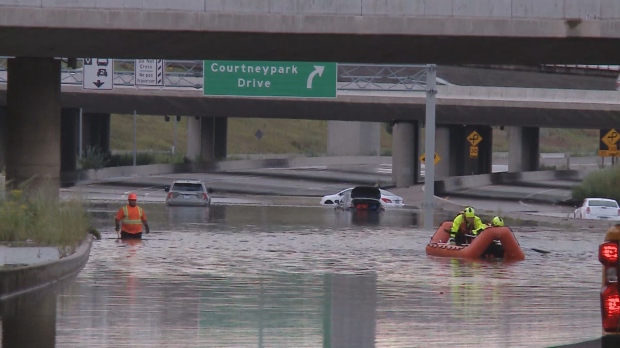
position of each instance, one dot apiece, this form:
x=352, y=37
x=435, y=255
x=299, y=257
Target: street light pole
x=135, y=141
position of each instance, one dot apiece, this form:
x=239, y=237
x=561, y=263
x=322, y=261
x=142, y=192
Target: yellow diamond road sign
x=474, y=138
x=435, y=160
x=611, y=138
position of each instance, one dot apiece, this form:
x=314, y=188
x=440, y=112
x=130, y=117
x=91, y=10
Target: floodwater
x=286, y=276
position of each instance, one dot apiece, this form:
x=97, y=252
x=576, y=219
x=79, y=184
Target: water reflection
x=29, y=320
x=255, y=276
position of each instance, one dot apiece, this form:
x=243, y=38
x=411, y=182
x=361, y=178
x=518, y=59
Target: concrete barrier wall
x=518, y=9
x=223, y=166
x=548, y=95
x=15, y=281
x=462, y=182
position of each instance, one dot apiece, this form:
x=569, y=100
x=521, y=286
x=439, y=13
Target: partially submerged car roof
x=366, y=192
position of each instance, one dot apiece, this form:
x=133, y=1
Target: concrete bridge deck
x=494, y=106
x=441, y=31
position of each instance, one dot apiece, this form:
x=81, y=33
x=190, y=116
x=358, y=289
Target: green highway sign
x=269, y=79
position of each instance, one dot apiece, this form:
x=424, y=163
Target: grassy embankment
x=305, y=137
x=35, y=218
x=603, y=183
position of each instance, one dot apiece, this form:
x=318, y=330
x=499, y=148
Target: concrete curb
x=19, y=280
x=457, y=185
x=461, y=182
x=91, y=175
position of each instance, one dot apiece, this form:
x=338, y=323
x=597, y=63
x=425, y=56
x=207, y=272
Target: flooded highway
x=252, y=275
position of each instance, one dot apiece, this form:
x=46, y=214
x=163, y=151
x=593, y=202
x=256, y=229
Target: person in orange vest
x=129, y=220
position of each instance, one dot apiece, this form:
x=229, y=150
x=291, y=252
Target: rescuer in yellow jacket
x=129, y=220
x=465, y=223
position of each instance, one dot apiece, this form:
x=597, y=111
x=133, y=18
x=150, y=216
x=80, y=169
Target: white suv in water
x=188, y=192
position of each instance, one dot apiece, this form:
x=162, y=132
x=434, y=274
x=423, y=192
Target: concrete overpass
x=487, y=106
x=362, y=96
x=366, y=93
x=376, y=31
x=372, y=31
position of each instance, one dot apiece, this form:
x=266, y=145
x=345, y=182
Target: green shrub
x=94, y=158
x=35, y=217
x=604, y=183
x=547, y=167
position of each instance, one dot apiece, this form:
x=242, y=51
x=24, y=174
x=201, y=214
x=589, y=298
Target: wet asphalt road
x=272, y=271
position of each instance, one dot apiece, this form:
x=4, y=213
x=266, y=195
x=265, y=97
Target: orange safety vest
x=131, y=219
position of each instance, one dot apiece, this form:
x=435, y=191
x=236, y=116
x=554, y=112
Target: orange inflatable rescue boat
x=493, y=242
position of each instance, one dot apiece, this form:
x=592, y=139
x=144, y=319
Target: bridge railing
x=369, y=77
x=189, y=74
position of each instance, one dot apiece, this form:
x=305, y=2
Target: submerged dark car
x=362, y=198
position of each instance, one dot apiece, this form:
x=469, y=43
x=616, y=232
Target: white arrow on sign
x=98, y=74
x=318, y=69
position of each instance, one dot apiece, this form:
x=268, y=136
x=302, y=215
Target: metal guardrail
x=189, y=74
x=369, y=77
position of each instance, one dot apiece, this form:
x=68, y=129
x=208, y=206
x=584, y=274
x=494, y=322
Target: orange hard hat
x=132, y=197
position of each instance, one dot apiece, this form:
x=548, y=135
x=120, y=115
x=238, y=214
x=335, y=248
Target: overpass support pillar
x=442, y=148
x=458, y=156
x=3, y=135
x=405, y=149
x=220, y=138
x=193, y=139
x=206, y=138
x=524, y=149
x=96, y=131
x=348, y=138
x=33, y=124
x=69, y=121
x=479, y=157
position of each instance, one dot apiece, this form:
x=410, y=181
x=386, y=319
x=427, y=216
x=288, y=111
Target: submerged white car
x=388, y=199
x=598, y=209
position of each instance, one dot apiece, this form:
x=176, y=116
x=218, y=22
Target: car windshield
x=187, y=187
x=603, y=203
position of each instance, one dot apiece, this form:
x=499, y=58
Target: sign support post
x=80, y=135
x=429, y=148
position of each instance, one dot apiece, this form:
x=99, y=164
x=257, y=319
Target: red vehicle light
x=588, y=210
x=608, y=253
x=169, y=194
x=361, y=206
x=610, y=309
x=618, y=212
x=386, y=200
x=204, y=196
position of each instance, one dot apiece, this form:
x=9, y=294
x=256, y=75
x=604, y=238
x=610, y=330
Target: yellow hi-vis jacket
x=460, y=225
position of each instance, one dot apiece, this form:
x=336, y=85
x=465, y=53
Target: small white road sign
x=149, y=72
x=98, y=73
